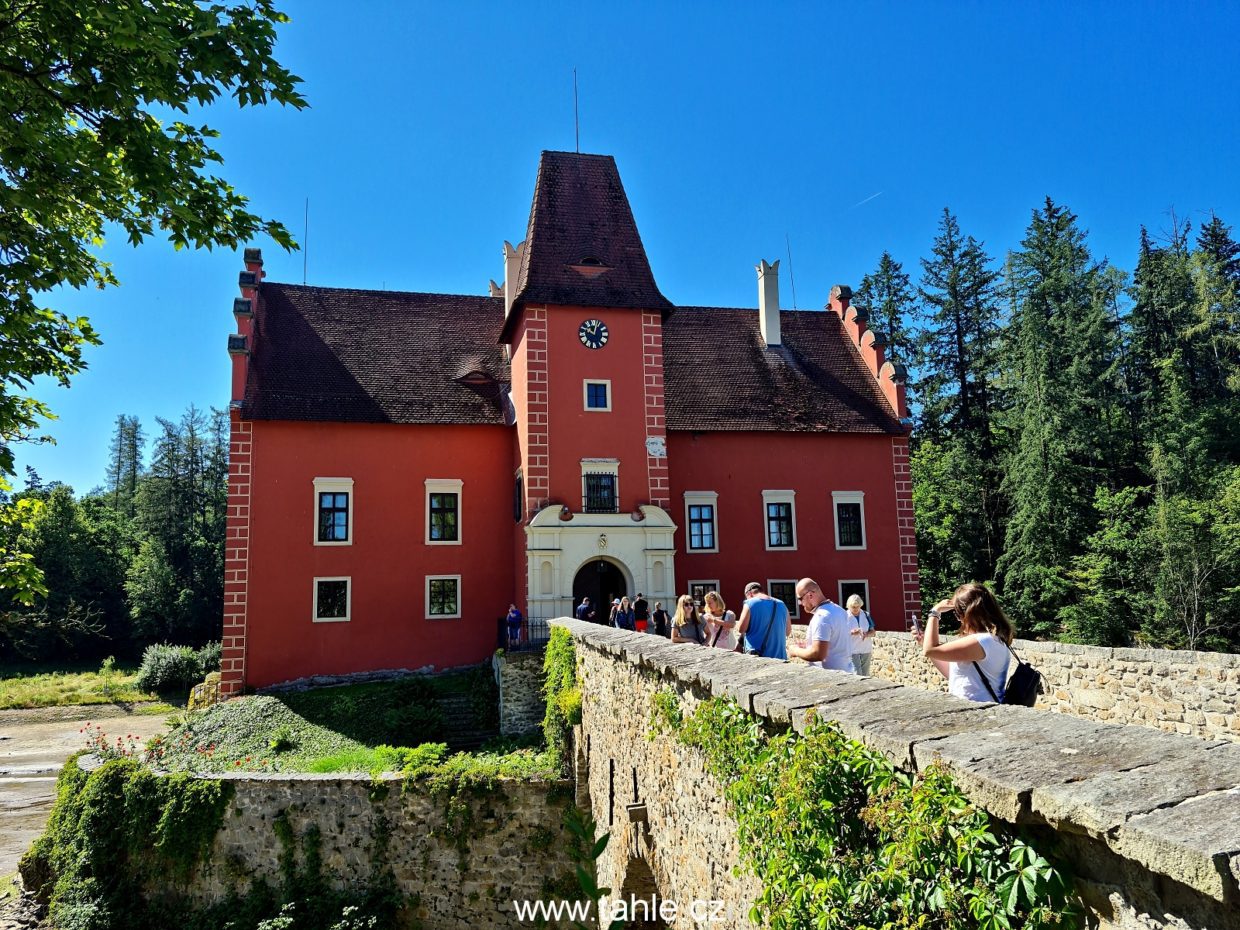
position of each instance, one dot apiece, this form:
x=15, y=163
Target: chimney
x=512, y=268
x=768, y=301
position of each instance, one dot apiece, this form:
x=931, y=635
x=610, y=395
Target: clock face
x=593, y=334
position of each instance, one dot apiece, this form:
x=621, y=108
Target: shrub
x=166, y=667
x=209, y=658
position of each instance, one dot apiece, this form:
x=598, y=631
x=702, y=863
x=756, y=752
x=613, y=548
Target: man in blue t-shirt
x=764, y=624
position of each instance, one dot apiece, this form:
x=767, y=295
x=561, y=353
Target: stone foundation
x=514, y=843
x=519, y=676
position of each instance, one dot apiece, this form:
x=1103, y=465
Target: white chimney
x=512, y=268
x=768, y=301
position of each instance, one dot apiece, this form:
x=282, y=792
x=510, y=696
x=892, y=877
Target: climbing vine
x=122, y=844
x=840, y=838
x=115, y=831
x=562, y=692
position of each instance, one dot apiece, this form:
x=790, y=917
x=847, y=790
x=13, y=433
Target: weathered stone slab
x=1197, y=843
x=804, y=687
x=1100, y=804
x=894, y=722
x=761, y=677
x=1001, y=766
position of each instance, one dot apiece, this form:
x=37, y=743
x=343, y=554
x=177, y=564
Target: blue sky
x=845, y=127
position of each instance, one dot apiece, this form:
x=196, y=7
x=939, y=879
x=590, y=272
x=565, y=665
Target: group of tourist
x=975, y=663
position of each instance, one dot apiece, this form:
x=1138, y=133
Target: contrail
x=867, y=200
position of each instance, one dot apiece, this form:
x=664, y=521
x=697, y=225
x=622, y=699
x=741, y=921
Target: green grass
x=351, y=728
x=25, y=686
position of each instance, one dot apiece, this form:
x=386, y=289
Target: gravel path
x=33, y=746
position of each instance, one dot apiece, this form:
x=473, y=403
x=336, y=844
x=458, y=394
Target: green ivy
x=562, y=693
x=665, y=713
x=840, y=838
x=115, y=831
x=122, y=844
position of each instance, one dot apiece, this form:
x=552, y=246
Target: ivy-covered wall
x=127, y=847
x=1145, y=825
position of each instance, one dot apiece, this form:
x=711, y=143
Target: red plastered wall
x=739, y=466
x=388, y=560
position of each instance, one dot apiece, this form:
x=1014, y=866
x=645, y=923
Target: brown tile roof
x=339, y=354
x=582, y=247
x=720, y=375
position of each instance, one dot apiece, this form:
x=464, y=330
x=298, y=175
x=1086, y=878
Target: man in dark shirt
x=585, y=611
x=641, y=612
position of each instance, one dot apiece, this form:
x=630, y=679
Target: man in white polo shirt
x=829, y=641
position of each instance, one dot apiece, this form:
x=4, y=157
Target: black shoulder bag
x=1023, y=687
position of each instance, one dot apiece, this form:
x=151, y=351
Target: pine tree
x=956, y=360
x=125, y=464
x=1064, y=372
x=890, y=301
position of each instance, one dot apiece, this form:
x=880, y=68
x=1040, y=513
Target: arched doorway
x=602, y=582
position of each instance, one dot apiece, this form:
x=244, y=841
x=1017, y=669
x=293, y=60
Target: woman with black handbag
x=975, y=663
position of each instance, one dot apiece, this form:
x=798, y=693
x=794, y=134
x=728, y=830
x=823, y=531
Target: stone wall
x=1195, y=693
x=1149, y=823
x=514, y=843
x=519, y=676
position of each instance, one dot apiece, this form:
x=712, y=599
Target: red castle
x=404, y=465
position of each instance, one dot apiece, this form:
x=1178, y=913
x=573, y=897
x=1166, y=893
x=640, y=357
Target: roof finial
x=576, y=120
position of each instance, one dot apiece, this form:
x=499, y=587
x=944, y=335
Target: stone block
x=1099, y=804
x=1197, y=843
x=1027, y=749
x=806, y=687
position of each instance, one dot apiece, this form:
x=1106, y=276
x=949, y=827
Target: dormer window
x=591, y=266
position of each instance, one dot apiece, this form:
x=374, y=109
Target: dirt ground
x=33, y=746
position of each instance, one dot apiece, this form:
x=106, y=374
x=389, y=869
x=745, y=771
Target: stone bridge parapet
x=1149, y=822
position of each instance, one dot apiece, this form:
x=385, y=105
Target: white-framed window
x=443, y=597
x=701, y=521
x=596, y=395
x=849, y=510
x=853, y=586
x=698, y=589
x=443, y=511
x=333, y=511
x=780, y=519
x=600, y=485
x=785, y=589
x=333, y=600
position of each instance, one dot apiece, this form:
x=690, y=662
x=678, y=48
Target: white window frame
x=778, y=497
x=795, y=610
x=332, y=486
x=444, y=486
x=708, y=584
x=348, y=600
x=585, y=395
x=600, y=467
x=847, y=497
x=697, y=499
x=427, y=594
x=866, y=596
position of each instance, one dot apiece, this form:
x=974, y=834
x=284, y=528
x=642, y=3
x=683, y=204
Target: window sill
x=331, y=620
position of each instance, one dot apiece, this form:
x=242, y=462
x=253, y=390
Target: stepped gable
x=338, y=354
x=720, y=375
x=582, y=247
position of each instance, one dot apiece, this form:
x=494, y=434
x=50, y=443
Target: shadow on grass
x=403, y=712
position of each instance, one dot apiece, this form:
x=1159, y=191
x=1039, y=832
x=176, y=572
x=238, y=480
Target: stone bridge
x=1147, y=821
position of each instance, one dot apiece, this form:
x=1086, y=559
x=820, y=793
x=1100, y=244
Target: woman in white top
x=720, y=622
x=862, y=634
x=985, y=634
